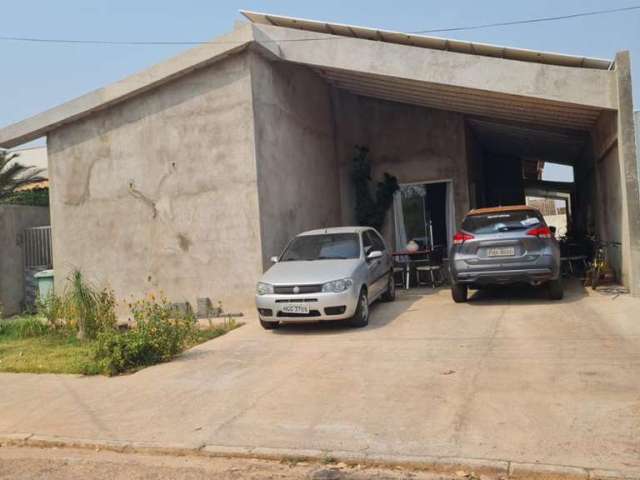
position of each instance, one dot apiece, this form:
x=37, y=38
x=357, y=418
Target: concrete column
x=629, y=174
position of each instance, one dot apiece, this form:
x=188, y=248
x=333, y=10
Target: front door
x=422, y=215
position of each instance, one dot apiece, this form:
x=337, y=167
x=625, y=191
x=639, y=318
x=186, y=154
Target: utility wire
x=532, y=20
x=439, y=30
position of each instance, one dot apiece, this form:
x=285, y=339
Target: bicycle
x=600, y=270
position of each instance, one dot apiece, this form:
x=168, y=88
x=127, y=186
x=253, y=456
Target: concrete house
x=188, y=176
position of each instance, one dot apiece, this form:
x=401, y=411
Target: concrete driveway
x=508, y=376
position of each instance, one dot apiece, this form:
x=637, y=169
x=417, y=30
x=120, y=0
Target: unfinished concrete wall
x=636, y=118
x=159, y=192
x=415, y=144
x=295, y=153
x=475, y=167
x=609, y=198
x=609, y=207
x=628, y=169
x=584, y=205
x=13, y=221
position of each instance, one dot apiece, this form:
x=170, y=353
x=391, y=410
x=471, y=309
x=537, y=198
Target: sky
x=39, y=76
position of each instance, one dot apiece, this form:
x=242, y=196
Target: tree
x=14, y=175
x=370, y=209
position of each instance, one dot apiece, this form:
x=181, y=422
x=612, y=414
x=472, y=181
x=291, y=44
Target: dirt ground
x=30, y=463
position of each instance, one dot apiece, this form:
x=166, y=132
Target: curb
x=436, y=464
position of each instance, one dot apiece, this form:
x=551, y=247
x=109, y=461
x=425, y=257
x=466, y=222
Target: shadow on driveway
x=526, y=294
x=381, y=314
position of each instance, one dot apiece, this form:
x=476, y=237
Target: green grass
x=25, y=347
x=215, y=331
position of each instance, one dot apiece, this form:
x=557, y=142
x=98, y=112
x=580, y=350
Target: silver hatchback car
x=504, y=245
x=328, y=274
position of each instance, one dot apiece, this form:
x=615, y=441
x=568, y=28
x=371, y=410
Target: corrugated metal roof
x=423, y=41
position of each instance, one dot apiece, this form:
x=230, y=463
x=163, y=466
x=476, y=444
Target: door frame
x=450, y=207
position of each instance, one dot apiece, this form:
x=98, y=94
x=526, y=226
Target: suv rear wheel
x=556, y=291
x=459, y=292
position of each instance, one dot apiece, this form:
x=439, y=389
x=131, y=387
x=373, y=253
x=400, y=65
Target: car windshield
x=501, y=221
x=323, y=247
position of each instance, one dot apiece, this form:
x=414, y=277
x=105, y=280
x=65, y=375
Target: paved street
x=509, y=376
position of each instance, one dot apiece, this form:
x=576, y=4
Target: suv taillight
x=540, y=232
x=460, y=237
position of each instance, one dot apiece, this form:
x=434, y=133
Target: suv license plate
x=295, y=308
x=501, y=252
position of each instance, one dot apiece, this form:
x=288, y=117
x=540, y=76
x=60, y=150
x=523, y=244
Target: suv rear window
x=501, y=221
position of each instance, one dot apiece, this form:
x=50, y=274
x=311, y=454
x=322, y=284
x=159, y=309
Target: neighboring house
x=24, y=238
x=34, y=157
x=188, y=176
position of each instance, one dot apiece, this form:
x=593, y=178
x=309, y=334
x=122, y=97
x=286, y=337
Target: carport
x=504, y=113
x=250, y=138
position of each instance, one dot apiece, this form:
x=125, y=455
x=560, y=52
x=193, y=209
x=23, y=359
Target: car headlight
x=338, y=286
x=264, y=288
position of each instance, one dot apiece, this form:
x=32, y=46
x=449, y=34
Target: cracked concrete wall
x=416, y=144
x=295, y=151
x=158, y=193
x=13, y=221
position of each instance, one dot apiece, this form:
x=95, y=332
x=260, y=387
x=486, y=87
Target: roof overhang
x=477, y=79
x=509, y=90
x=430, y=42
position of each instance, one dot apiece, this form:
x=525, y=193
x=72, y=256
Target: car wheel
x=361, y=317
x=459, y=292
x=390, y=294
x=269, y=325
x=556, y=291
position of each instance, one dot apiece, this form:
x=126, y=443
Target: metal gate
x=36, y=248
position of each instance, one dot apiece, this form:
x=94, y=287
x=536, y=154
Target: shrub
x=80, y=302
x=51, y=307
x=26, y=327
x=105, y=310
x=87, y=310
x=159, y=333
x=31, y=327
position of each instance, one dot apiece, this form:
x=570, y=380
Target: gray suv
x=504, y=245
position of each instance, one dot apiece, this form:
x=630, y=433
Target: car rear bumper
x=322, y=306
x=498, y=277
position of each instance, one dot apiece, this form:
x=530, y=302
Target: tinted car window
x=501, y=221
x=323, y=247
x=367, y=242
x=377, y=242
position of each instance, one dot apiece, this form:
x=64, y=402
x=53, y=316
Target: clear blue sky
x=39, y=76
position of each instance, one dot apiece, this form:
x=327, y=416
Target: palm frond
x=14, y=175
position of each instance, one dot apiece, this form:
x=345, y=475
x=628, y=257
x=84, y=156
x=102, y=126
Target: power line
x=531, y=20
x=187, y=43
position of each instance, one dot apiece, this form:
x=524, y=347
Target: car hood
x=309, y=272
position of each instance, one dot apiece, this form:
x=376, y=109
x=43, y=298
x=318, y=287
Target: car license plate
x=501, y=252
x=295, y=308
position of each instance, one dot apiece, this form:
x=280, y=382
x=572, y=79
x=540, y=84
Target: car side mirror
x=553, y=229
x=274, y=259
x=374, y=254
